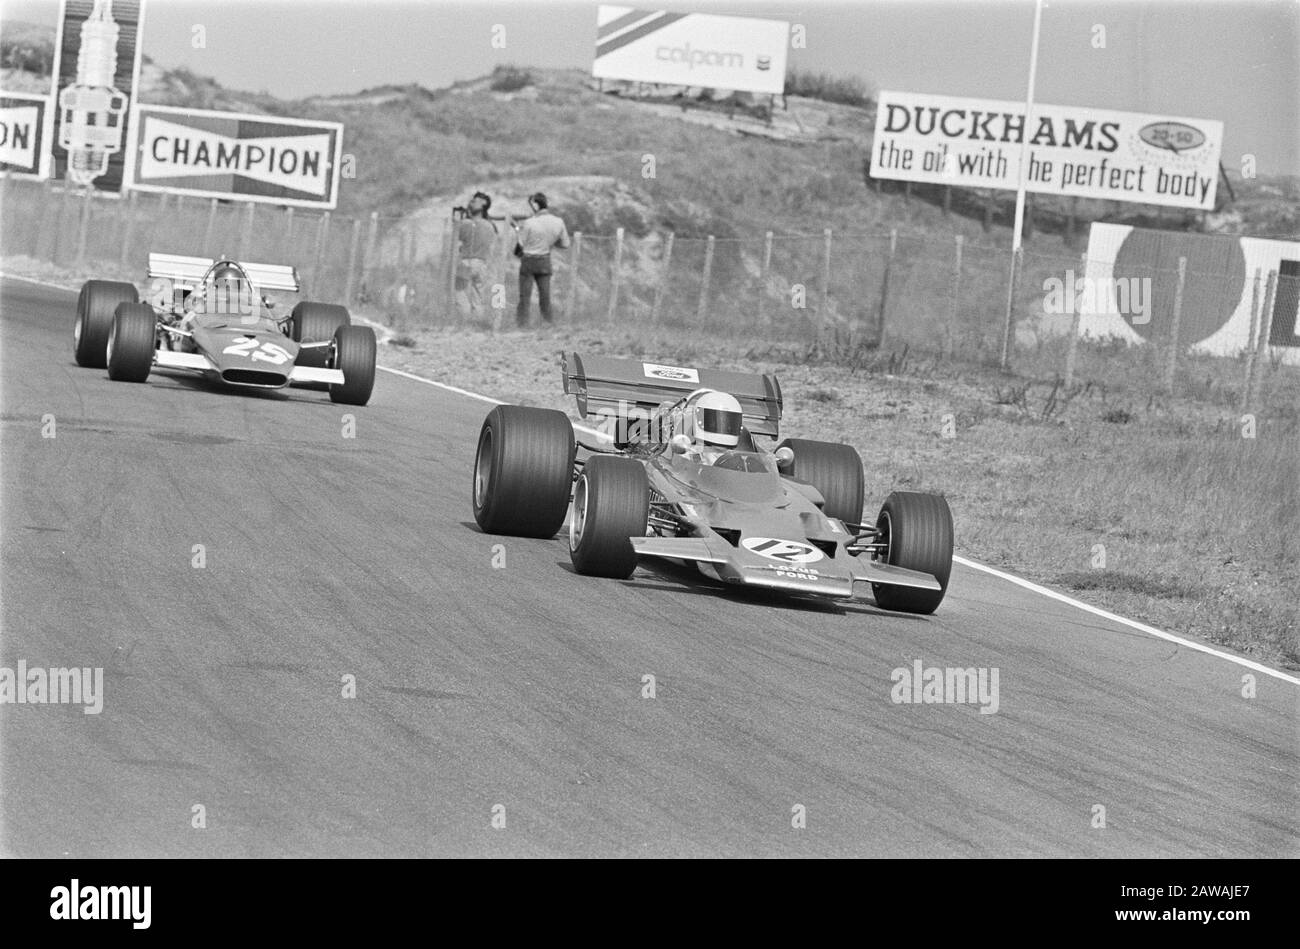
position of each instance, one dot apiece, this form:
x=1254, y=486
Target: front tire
x=354, y=354
x=131, y=343
x=523, y=470
x=611, y=503
x=835, y=470
x=316, y=323
x=96, y=306
x=917, y=529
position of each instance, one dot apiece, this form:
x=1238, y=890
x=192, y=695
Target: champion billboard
x=25, y=135
x=237, y=157
x=1089, y=153
x=691, y=49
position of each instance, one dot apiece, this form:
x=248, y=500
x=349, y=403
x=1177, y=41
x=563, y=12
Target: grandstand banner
x=691, y=49
x=1088, y=153
x=237, y=157
x=1221, y=314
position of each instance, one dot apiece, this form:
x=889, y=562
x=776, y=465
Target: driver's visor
x=718, y=422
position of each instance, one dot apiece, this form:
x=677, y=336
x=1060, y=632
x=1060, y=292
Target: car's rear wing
x=186, y=272
x=599, y=382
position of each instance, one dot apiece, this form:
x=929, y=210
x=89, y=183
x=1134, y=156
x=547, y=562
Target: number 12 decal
x=266, y=352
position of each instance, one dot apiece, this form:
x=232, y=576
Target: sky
x=1233, y=60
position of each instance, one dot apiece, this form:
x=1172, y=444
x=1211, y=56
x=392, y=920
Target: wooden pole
x=63, y=217
x=572, y=309
x=616, y=275
x=762, y=281
x=210, y=229
x=823, y=305
x=83, y=228
x=1261, y=342
x=664, y=274
x=1072, y=344
x=884, y=286
x=452, y=257
x=127, y=227
x=1008, y=325
x=1251, y=345
x=702, y=309
x=1171, y=364
x=368, y=262
x=322, y=232
x=353, y=249
x=954, y=311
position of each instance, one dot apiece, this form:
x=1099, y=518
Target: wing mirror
x=784, y=458
x=268, y=303
x=680, y=444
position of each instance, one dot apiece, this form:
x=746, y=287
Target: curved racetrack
x=328, y=556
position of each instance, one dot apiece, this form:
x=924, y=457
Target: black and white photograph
x=571, y=431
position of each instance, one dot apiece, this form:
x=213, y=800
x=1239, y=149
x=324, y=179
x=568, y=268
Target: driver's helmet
x=232, y=287
x=715, y=419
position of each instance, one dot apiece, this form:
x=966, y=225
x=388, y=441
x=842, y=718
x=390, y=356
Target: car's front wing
x=170, y=359
x=830, y=576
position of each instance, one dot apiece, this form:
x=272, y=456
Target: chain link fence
x=846, y=292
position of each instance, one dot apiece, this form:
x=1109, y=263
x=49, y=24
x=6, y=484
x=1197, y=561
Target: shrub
x=509, y=79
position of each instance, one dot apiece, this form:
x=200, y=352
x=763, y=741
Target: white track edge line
x=974, y=565
x=1125, y=621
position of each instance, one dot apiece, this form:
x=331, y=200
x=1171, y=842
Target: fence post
x=452, y=256
x=823, y=305
x=1251, y=344
x=353, y=249
x=44, y=221
x=762, y=277
x=955, y=310
x=322, y=229
x=705, y=280
x=246, y=231
x=126, y=226
x=884, y=286
x=664, y=272
x=83, y=227
x=571, y=311
x=616, y=276
x=59, y=240
x=1172, y=364
x=211, y=228
x=1261, y=343
x=1072, y=344
x=1008, y=325
x=368, y=262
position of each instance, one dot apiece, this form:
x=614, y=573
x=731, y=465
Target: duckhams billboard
x=1087, y=153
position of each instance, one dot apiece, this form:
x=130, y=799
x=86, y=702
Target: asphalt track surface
x=522, y=686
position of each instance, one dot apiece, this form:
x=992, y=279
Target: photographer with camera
x=476, y=235
x=535, y=236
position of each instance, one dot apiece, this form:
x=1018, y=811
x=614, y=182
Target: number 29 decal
x=266, y=352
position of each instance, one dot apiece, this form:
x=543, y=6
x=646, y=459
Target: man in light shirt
x=476, y=235
x=536, y=236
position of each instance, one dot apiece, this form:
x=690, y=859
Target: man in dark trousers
x=536, y=236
